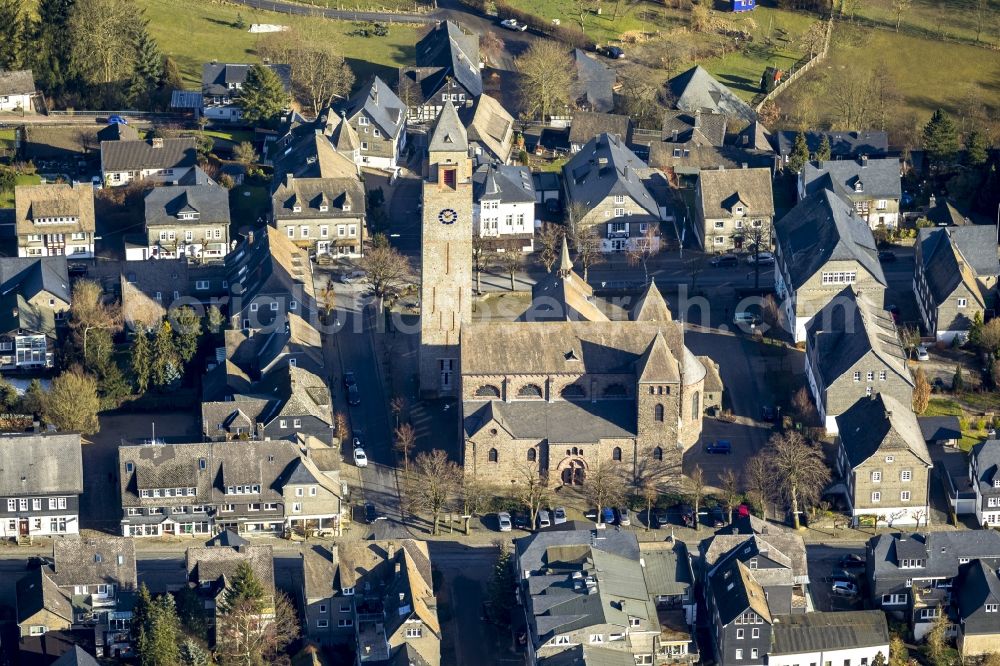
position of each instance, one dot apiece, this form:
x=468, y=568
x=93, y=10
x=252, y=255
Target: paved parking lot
x=746, y=440
x=823, y=561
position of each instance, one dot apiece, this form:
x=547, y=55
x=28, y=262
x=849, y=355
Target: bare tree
x=531, y=491
x=643, y=249
x=483, y=256
x=340, y=425
x=982, y=12
x=899, y=7
x=405, y=437
x=248, y=633
x=812, y=39
x=803, y=405
x=319, y=72
x=509, y=262
x=650, y=493
x=800, y=470
x=547, y=75
x=550, y=239
x=397, y=405
x=909, y=337
x=327, y=301
x=386, y=270
x=759, y=480
x=921, y=391
x=694, y=484
x=759, y=240
x=474, y=495
x=605, y=485
x=89, y=312
x=588, y=250
x=730, y=490
x=437, y=479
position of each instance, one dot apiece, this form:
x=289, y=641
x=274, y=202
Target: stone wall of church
x=517, y=387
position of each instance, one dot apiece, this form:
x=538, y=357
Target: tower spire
x=565, y=264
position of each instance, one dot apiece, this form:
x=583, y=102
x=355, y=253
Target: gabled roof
x=227, y=537
x=823, y=632
x=755, y=137
x=503, y=183
x=588, y=124
x=848, y=328
x=17, y=82
x=595, y=82
x=863, y=177
x=54, y=200
x=77, y=656
x=94, y=560
x=560, y=421
x=605, y=167
x=937, y=428
x=449, y=133
x=651, y=306
x=842, y=144
x=120, y=131
x=319, y=571
x=380, y=105
x=697, y=89
x=216, y=77
x=722, y=189
x=209, y=202
x=489, y=124
x=986, y=459
x=691, y=159
x=343, y=136
x=315, y=198
x=274, y=266
x=313, y=156
x=40, y=464
x=177, y=153
x=701, y=128
x=36, y=591
x=957, y=255
x=735, y=591
x=977, y=584
x=215, y=563
x=448, y=47
x=822, y=228
x=880, y=424
x=940, y=550
x=562, y=295
x=30, y=276
x=941, y=212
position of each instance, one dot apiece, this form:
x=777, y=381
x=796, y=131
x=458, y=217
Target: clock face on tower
x=447, y=216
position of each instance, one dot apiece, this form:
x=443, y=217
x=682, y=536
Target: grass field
x=195, y=32
x=944, y=407
x=938, y=20
x=407, y=6
x=7, y=198
x=927, y=74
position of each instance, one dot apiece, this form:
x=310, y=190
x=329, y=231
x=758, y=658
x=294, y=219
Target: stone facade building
x=884, y=462
x=54, y=220
x=446, y=266
x=852, y=351
x=557, y=399
x=821, y=246
x=735, y=207
x=871, y=185
x=378, y=119
x=185, y=221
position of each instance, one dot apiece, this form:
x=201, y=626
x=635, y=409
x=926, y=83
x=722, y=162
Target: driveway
x=823, y=561
x=746, y=440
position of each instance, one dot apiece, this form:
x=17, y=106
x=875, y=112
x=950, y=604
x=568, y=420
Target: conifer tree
x=940, y=137
x=142, y=360
x=263, y=96
x=164, y=355
x=800, y=154
x=824, y=151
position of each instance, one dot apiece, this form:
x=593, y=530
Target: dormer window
x=296, y=208
x=739, y=210
x=346, y=206
x=323, y=208
x=187, y=215
x=859, y=186
x=996, y=483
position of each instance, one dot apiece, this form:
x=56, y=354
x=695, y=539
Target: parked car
x=360, y=458
x=371, y=513
x=622, y=517
x=613, y=52
x=349, y=380
x=717, y=517
x=503, y=520
x=544, y=520
x=841, y=574
x=747, y=319
x=922, y=354
x=116, y=119
x=558, y=515
x=851, y=561
x=887, y=257
x=522, y=520
x=761, y=259
x=686, y=512
x=607, y=515
x=743, y=511
x=352, y=277
x=844, y=588
x=353, y=395
x=512, y=24
x=720, y=447
x=725, y=261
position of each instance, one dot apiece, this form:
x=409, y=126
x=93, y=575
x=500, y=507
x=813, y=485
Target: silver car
x=543, y=519
x=558, y=515
x=503, y=518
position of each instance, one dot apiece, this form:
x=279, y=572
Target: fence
x=802, y=66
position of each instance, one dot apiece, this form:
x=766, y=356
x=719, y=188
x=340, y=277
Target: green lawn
x=194, y=32
x=7, y=198
x=403, y=6
x=235, y=136
x=638, y=17
x=937, y=20
x=926, y=73
x=946, y=407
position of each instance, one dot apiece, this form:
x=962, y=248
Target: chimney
x=931, y=201
x=864, y=161
x=626, y=172
x=697, y=118
x=674, y=133
x=157, y=142
x=249, y=238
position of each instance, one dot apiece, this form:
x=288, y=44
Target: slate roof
x=651, y=305
x=30, y=276
x=380, y=105
x=595, y=81
x=846, y=330
x=17, y=82
x=953, y=255
x=210, y=564
x=735, y=591
x=40, y=464
x=697, y=89
x=937, y=428
x=588, y=655
x=606, y=167
x=489, y=124
x=319, y=571
x=313, y=156
x=842, y=144
x=77, y=656
x=700, y=128
x=783, y=547
x=503, y=183
x=688, y=158
x=164, y=204
x=722, y=189
x=54, y=200
x=755, y=137
x=227, y=537
x=343, y=137
x=562, y=295
x=821, y=228
x=179, y=153
x=36, y=591
x=588, y=124
x=878, y=178
x=449, y=133
x=667, y=568
x=880, y=424
x=216, y=77
x=941, y=550
x=456, y=53
x=343, y=198
x=94, y=560
x=821, y=632
x=274, y=266
x=534, y=551
x=977, y=584
x=560, y=422
x=942, y=212
x=119, y=132
x=985, y=457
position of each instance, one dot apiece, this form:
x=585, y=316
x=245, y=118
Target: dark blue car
x=607, y=515
x=117, y=120
x=721, y=446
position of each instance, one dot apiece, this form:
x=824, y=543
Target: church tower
x=446, y=251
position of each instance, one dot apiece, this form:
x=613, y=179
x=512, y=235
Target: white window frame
x=876, y=497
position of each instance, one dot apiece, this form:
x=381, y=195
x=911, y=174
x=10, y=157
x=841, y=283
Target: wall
x=850, y=656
